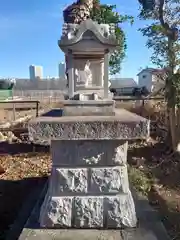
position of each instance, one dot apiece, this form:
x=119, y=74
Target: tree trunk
x=172, y=122
x=170, y=95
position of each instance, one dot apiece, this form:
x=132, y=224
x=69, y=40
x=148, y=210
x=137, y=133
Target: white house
x=151, y=78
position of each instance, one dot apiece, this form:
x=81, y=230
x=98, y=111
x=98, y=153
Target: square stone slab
x=89, y=108
x=123, y=126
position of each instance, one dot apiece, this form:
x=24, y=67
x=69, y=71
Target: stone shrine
x=88, y=186
x=87, y=47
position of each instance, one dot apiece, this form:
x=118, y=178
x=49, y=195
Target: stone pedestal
x=88, y=186
x=90, y=107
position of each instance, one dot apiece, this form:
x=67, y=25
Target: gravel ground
x=19, y=174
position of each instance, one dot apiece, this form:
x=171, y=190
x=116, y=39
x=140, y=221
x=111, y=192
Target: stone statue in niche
x=88, y=74
x=84, y=76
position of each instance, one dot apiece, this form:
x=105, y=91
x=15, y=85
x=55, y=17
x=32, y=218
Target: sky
x=30, y=29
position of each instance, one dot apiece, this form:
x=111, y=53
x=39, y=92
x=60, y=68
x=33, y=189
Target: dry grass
x=156, y=174
x=153, y=110
x=8, y=115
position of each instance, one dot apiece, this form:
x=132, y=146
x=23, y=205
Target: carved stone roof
x=80, y=32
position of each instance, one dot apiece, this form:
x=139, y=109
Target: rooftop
x=123, y=82
x=153, y=70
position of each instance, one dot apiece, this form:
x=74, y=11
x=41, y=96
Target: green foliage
x=103, y=13
x=139, y=180
x=156, y=35
x=166, y=48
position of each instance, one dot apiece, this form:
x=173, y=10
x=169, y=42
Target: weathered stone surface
x=88, y=111
x=116, y=152
x=88, y=212
x=68, y=180
x=90, y=152
x=109, y=180
x=149, y=227
x=89, y=108
x=73, y=34
x=120, y=211
x=93, y=172
x=56, y=212
x=123, y=126
x=70, y=234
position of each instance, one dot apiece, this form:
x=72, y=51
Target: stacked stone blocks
x=88, y=186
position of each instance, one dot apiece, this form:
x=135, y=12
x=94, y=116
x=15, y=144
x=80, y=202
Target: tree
x=163, y=38
x=103, y=13
x=157, y=37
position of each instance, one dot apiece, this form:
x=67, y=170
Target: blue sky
x=30, y=29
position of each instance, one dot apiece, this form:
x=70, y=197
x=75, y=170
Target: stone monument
x=88, y=186
x=87, y=46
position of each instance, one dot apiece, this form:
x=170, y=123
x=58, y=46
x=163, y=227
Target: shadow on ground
x=170, y=215
x=57, y=112
x=17, y=148
x=13, y=194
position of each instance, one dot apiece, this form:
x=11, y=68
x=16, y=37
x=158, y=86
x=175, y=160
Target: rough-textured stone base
x=123, y=126
x=71, y=235
x=149, y=227
x=68, y=181
x=88, y=186
x=88, y=212
x=56, y=212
